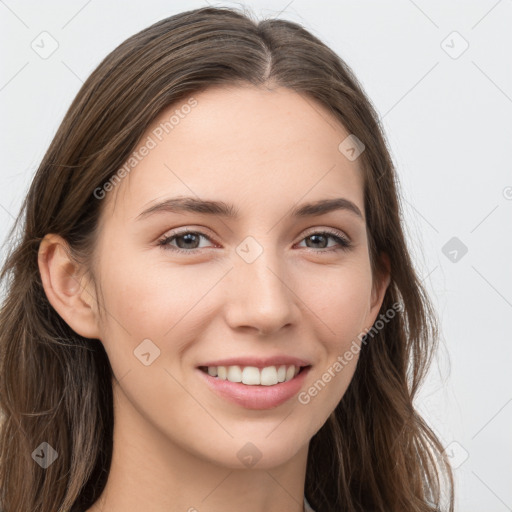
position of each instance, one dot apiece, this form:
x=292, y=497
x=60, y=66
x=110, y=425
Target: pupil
x=187, y=236
x=312, y=237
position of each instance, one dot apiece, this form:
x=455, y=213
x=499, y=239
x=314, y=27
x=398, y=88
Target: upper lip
x=258, y=362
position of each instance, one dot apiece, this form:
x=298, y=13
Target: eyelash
x=344, y=244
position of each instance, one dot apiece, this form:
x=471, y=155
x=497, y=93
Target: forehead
x=244, y=145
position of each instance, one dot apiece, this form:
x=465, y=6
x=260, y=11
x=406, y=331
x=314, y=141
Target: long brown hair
x=375, y=452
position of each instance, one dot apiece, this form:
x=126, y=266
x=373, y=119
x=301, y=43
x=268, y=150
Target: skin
x=175, y=441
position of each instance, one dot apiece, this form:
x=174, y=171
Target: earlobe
x=73, y=301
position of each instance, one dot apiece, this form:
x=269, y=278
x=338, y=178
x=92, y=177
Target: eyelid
x=333, y=232
x=189, y=228
x=185, y=229
x=200, y=231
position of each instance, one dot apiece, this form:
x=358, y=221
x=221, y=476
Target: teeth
x=234, y=374
x=252, y=376
x=269, y=376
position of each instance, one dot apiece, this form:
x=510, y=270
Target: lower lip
x=256, y=397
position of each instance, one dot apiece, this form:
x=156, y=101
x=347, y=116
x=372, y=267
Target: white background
x=449, y=124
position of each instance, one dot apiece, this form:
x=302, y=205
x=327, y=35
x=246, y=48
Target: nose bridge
x=261, y=297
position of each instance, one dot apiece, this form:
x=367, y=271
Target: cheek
x=150, y=298
x=148, y=294
x=341, y=306
x=340, y=300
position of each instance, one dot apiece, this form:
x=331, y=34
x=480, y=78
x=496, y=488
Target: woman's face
x=265, y=284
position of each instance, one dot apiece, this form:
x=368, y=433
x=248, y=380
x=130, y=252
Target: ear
x=75, y=302
x=380, y=285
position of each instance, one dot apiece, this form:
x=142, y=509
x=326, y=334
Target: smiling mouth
x=254, y=376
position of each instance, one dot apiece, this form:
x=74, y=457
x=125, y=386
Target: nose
x=260, y=295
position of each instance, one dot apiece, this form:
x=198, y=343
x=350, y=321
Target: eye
x=319, y=237
x=187, y=241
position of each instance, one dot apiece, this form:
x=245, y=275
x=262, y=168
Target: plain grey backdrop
x=439, y=74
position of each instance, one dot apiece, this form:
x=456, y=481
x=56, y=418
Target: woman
x=269, y=365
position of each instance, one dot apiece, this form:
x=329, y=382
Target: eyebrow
x=220, y=208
